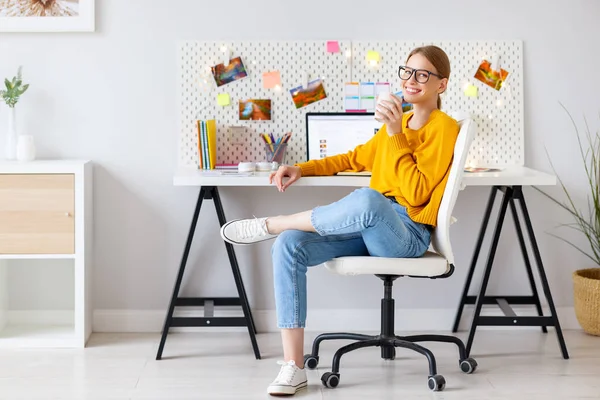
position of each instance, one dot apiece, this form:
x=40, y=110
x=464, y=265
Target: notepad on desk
x=354, y=173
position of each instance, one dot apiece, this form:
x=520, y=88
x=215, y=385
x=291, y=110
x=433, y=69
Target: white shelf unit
x=46, y=215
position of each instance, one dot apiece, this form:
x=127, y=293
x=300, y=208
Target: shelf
x=38, y=336
x=37, y=256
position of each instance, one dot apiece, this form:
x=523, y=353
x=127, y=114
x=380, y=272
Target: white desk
x=509, y=180
x=511, y=176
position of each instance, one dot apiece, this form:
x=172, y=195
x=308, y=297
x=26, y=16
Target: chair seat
x=429, y=265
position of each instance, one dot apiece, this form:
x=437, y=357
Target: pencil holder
x=276, y=153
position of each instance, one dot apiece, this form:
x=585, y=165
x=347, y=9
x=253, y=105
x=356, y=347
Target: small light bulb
x=499, y=103
x=253, y=62
x=223, y=49
x=373, y=63
x=348, y=53
x=277, y=87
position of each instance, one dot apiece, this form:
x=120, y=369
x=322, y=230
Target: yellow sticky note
x=471, y=91
x=373, y=56
x=223, y=99
x=271, y=79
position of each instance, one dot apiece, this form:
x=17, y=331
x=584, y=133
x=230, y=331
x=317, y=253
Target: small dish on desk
x=246, y=167
x=264, y=166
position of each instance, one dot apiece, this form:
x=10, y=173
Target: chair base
x=388, y=342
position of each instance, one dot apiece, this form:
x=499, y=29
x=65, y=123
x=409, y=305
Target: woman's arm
x=359, y=159
x=418, y=173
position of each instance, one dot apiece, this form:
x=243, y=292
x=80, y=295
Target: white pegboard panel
x=198, y=99
x=498, y=113
x=500, y=136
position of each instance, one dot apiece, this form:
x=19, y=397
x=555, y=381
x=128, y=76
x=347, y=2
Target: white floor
x=515, y=364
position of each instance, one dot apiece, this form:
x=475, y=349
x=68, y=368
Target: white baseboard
x=321, y=320
x=40, y=317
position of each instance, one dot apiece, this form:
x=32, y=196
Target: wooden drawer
x=37, y=214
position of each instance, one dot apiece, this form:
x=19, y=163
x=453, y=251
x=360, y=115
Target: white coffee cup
x=386, y=96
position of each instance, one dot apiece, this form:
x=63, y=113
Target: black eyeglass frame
x=414, y=71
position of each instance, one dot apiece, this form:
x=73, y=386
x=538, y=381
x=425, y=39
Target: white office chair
x=438, y=262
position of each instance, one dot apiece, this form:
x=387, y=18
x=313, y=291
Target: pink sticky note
x=333, y=46
x=271, y=79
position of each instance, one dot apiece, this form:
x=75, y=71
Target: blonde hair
x=438, y=58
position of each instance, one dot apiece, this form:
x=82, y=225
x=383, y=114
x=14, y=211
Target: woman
x=410, y=157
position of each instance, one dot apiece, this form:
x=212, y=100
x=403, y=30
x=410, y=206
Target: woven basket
x=586, y=291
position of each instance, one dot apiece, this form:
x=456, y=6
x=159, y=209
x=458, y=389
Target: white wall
x=110, y=96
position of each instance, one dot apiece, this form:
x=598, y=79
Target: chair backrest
x=440, y=238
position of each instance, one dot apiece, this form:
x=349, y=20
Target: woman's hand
x=293, y=173
x=390, y=113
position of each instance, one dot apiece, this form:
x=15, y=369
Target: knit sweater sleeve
x=418, y=172
x=359, y=159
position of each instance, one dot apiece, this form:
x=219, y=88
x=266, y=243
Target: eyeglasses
x=421, y=75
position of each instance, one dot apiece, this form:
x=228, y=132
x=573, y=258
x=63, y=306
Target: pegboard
x=198, y=99
x=499, y=114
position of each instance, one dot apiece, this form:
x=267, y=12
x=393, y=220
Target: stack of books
x=207, y=143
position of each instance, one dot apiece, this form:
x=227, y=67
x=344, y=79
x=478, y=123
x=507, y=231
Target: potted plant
x=14, y=90
x=586, y=282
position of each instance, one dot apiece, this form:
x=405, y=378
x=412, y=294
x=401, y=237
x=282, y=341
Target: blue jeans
x=364, y=223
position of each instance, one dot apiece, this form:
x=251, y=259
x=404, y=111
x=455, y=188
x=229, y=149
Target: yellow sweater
x=411, y=166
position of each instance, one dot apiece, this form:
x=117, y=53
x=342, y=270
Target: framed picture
x=47, y=16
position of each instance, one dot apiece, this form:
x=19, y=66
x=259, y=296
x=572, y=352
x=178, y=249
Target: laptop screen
x=328, y=134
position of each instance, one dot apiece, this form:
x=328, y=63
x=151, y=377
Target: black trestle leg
x=484, y=225
x=536, y=297
x=543, y=278
x=237, y=276
x=209, y=193
x=175, y=295
x=488, y=268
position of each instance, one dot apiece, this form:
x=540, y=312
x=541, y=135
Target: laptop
x=329, y=134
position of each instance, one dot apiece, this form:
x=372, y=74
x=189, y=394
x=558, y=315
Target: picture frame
x=30, y=16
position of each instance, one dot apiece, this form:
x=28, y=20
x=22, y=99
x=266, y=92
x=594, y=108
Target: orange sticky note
x=271, y=79
x=333, y=46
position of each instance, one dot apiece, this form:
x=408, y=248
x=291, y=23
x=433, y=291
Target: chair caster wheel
x=468, y=365
x=436, y=383
x=330, y=380
x=311, y=361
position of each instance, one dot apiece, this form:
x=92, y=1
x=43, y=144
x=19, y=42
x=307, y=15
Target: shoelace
x=287, y=372
x=251, y=228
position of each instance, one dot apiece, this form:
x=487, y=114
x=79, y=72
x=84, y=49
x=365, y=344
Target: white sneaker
x=289, y=381
x=246, y=231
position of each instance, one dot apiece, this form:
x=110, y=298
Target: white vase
x=25, y=148
x=11, y=135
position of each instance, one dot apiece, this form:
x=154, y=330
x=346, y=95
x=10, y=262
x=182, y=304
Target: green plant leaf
x=588, y=225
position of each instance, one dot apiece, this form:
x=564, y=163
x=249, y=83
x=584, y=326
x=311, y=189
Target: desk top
x=509, y=176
